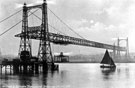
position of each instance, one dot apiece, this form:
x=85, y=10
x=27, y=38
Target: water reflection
x=124, y=70
x=25, y=80
x=37, y=80
x=127, y=72
x=75, y=76
x=44, y=78
x=107, y=72
x=4, y=80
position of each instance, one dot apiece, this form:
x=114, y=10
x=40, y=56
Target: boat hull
x=103, y=66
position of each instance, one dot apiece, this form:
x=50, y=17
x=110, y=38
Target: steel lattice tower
x=44, y=53
x=127, y=47
x=25, y=43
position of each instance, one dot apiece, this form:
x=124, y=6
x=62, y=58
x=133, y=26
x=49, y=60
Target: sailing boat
x=107, y=61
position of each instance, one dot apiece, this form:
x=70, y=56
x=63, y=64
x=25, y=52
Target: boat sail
x=107, y=61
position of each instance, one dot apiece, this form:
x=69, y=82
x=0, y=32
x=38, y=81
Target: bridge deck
x=34, y=33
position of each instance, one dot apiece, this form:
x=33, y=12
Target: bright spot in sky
x=91, y=21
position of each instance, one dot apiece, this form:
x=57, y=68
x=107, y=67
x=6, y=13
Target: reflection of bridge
x=43, y=34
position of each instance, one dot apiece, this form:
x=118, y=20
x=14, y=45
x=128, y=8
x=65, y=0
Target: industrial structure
x=45, y=59
x=61, y=58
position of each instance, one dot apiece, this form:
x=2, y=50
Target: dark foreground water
x=78, y=75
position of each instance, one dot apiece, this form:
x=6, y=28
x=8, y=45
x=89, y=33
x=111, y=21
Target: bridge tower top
x=127, y=46
x=44, y=52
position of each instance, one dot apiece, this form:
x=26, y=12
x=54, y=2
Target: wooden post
x=10, y=69
x=20, y=69
x=24, y=68
x=5, y=69
x=45, y=67
x=1, y=69
x=36, y=68
x=32, y=68
x=16, y=68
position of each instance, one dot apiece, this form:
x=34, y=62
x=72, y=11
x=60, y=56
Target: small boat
x=107, y=61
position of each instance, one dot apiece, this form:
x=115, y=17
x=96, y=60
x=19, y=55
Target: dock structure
x=16, y=66
x=26, y=62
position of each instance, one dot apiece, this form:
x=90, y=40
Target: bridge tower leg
x=44, y=52
x=127, y=48
x=25, y=43
x=114, y=51
x=118, y=51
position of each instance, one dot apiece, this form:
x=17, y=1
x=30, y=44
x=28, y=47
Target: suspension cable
x=56, y=29
x=66, y=24
x=10, y=28
x=15, y=25
x=48, y=24
x=10, y=16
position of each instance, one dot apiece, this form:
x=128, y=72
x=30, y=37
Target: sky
x=97, y=20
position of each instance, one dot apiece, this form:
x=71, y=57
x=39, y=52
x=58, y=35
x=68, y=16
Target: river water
x=75, y=75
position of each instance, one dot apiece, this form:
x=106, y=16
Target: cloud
x=48, y=1
x=112, y=19
x=52, y=2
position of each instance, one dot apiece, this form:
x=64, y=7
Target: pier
x=32, y=67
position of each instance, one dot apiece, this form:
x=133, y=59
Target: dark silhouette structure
x=61, y=58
